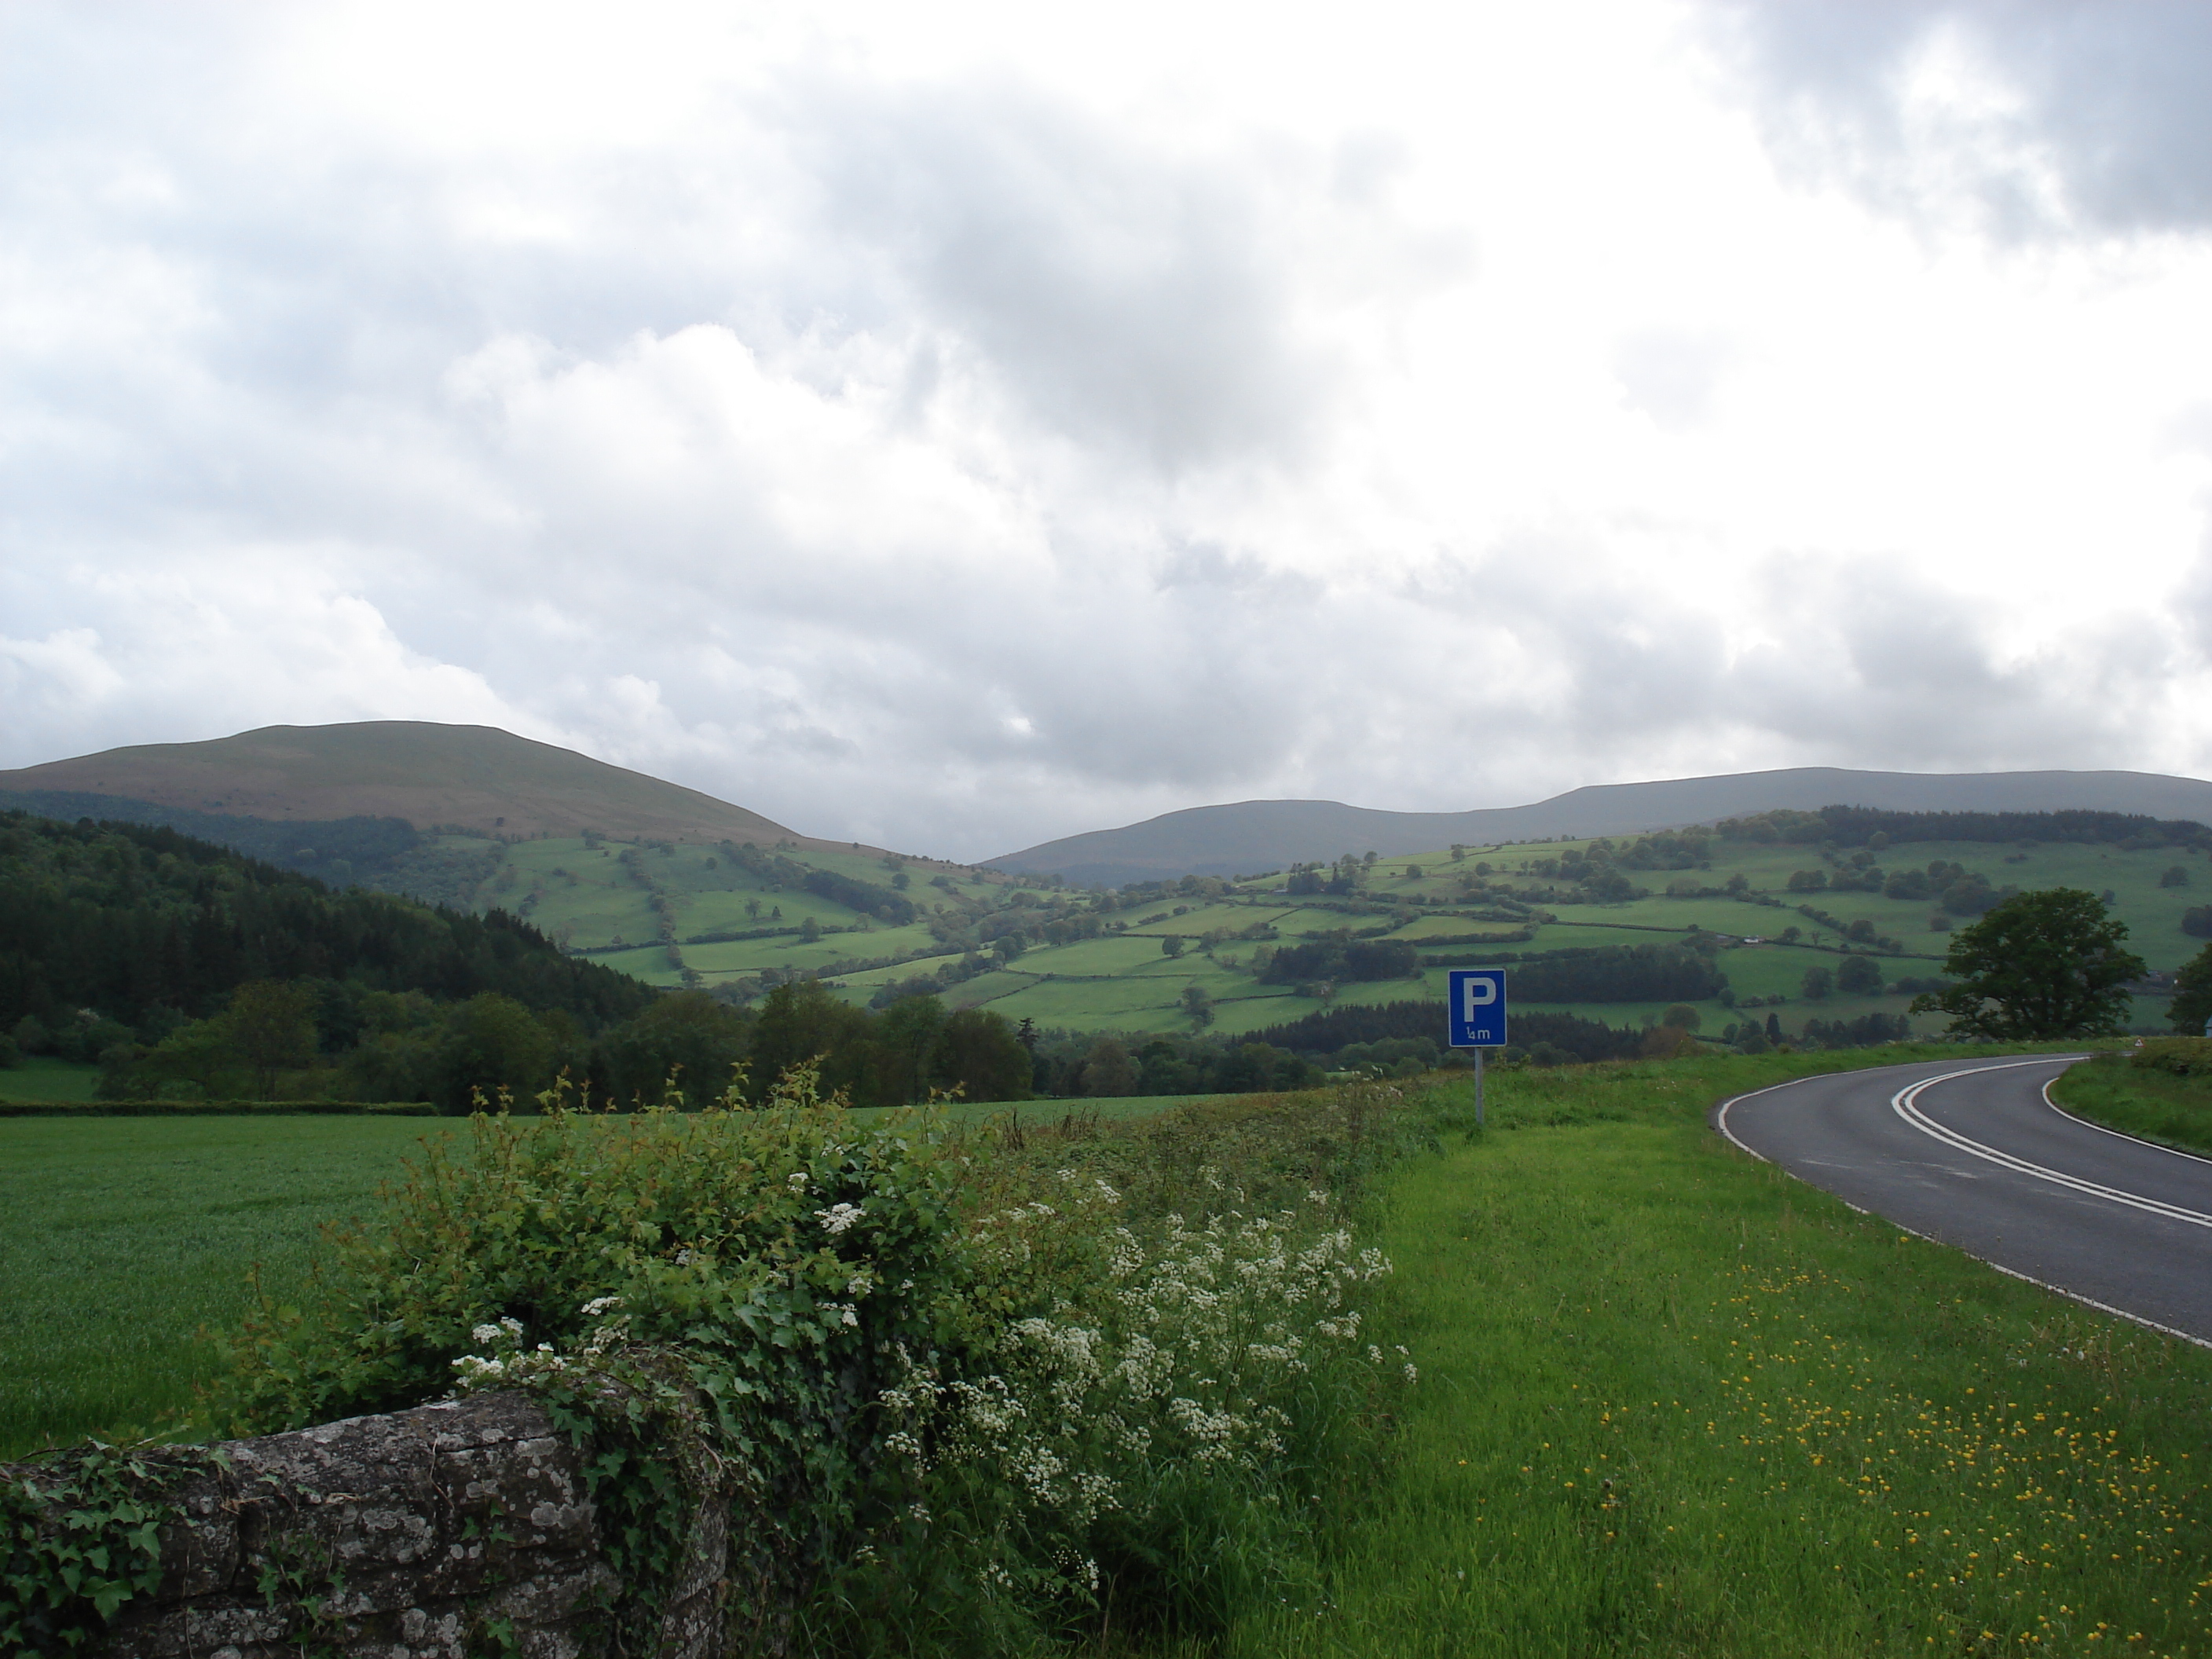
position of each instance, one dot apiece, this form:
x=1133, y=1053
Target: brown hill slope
x=476, y=776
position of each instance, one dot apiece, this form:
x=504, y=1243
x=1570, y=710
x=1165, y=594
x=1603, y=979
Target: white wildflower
x=600, y=1305
x=839, y=1217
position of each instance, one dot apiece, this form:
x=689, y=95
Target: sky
x=955, y=427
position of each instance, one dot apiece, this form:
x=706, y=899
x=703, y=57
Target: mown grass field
x=42, y=1076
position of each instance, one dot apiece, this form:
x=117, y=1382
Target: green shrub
x=961, y=1392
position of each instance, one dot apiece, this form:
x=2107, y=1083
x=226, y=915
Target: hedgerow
x=960, y=1390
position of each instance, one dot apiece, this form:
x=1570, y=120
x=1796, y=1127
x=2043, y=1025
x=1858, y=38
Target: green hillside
x=737, y=919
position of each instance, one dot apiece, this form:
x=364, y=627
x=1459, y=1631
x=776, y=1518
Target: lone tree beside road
x=2040, y=966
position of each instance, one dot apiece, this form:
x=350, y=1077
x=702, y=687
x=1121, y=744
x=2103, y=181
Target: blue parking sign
x=1476, y=1011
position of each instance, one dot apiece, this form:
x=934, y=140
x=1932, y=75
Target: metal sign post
x=1474, y=1017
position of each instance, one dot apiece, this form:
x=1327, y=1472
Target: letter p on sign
x=1475, y=1007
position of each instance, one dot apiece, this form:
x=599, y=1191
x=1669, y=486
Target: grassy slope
x=2175, y=1111
x=1673, y=1401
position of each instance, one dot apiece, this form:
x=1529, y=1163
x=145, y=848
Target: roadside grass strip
x=2114, y=1093
x=1675, y=1402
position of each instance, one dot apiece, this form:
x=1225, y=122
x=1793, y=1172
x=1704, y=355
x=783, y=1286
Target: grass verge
x=1674, y=1401
x=2137, y=1100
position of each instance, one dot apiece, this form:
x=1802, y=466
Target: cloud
x=1124, y=298
x=955, y=448
x=1671, y=374
x=2050, y=117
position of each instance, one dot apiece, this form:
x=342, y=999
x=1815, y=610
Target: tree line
x=1876, y=827
x=336, y=850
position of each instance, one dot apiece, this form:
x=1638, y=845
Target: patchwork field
x=691, y=913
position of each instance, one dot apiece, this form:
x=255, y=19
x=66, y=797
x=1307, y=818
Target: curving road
x=1974, y=1154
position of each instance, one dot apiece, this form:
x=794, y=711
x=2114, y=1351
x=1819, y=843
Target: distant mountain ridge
x=1251, y=837
x=474, y=777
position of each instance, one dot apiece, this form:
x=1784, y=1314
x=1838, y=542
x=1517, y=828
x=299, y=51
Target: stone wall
x=448, y=1530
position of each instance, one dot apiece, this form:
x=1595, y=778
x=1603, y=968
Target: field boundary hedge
x=217, y=1109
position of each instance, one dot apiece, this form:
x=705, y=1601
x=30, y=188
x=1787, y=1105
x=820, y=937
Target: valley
x=738, y=921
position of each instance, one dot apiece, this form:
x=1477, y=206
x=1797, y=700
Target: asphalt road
x=1974, y=1154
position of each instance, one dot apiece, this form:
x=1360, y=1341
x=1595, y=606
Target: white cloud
x=956, y=434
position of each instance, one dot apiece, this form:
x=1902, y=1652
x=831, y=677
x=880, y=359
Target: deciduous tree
x=2046, y=965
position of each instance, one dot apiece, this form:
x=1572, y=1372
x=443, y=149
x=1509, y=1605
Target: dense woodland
x=144, y=924
x=340, y=851
x=188, y=972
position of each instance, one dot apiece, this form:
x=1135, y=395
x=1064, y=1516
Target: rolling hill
x=470, y=777
x=1255, y=835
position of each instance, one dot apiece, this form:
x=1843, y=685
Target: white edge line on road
x=1720, y=1122
x=1904, y=1102
x=2117, y=1134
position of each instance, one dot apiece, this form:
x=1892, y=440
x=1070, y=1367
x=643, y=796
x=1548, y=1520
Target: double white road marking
x=1904, y=1103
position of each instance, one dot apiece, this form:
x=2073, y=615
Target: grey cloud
x=1872, y=661
x=276, y=500
x=1671, y=374
x=1128, y=300
x=2110, y=129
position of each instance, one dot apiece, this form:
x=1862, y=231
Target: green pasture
x=1120, y=980
x=1425, y=927
x=1095, y=957
x=121, y=1238
x=1190, y=921
x=126, y=1245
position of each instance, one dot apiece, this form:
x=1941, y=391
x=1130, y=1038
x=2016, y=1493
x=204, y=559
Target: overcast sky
x=957, y=425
